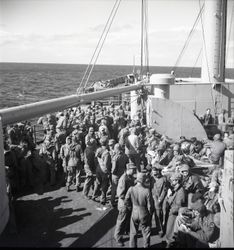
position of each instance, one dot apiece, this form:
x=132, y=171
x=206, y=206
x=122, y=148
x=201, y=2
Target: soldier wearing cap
x=217, y=148
x=132, y=148
x=119, y=162
x=203, y=230
x=175, y=199
x=195, y=147
x=191, y=183
x=89, y=161
x=139, y=199
x=176, y=158
x=48, y=150
x=64, y=155
x=75, y=163
x=103, y=170
x=111, y=145
x=159, y=186
x=123, y=220
x=14, y=134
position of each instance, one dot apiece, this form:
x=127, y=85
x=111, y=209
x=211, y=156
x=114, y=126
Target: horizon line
x=102, y=64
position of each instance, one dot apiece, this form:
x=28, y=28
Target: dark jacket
x=204, y=229
x=176, y=200
x=125, y=182
x=159, y=187
x=140, y=199
x=119, y=163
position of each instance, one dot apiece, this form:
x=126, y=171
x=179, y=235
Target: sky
x=68, y=31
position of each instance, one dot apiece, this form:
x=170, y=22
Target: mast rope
x=199, y=54
x=104, y=34
x=102, y=44
x=87, y=68
x=188, y=38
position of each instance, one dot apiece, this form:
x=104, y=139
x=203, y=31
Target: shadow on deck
x=39, y=223
x=98, y=230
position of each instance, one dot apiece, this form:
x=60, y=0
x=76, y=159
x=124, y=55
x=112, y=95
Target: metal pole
x=28, y=111
x=214, y=39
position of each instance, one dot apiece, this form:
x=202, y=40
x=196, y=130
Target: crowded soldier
x=159, y=186
x=132, y=147
x=103, y=170
x=123, y=220
x=109, y=149
x=89, y=161
x=139, y=200
x=74, y=164
x=119, y=162
x=175, y=199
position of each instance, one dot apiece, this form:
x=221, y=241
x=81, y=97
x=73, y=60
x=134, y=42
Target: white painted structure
x=160, y=85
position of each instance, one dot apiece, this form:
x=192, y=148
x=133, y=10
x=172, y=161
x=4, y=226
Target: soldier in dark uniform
x=191, y=183
x=174, y=201
x=202, y=231
x=48, y=150
x=74, y=163
x=159, y=187
x=89, y=160
x=103, y=170
x=119, y=162
x=123, y=219
x=139, y=199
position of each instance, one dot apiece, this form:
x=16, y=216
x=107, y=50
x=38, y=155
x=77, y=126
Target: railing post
x=4, y=205
x=35, y=134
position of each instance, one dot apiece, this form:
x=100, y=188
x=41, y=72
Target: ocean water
x=23, y=83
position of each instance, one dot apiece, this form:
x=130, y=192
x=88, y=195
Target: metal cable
x=196, y=61
x=102, y=44
x=97, y=46
x=188, y=38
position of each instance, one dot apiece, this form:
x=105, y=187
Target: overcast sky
x=67, y=31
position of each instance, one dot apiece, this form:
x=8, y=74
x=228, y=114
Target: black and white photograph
x=116, y=123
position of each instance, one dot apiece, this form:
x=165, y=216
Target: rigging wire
x=79, y=88
x=97, y=46
x=189, y=37
x=102, y=43
x=199, y=54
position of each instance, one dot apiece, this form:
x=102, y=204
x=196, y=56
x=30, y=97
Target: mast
x=214, y=40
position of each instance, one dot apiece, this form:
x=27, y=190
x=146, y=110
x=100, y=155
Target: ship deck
x=57, y=218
